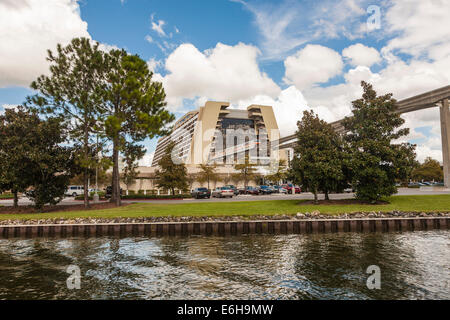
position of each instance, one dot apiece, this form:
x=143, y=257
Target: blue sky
x=291, y=54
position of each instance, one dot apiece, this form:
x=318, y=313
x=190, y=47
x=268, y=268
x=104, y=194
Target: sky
x=294, y=55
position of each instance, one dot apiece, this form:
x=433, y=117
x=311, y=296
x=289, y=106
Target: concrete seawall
x=225, y=228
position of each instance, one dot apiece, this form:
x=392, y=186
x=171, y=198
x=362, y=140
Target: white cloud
x=29, y=28
x=8, y=106
x=227, y=73
x=154, y=64
x=417, y=26
x=285, y=25
x=149, y=39
x=313, y=64
x=146, y=160
x=158, y=26
x=361, y=55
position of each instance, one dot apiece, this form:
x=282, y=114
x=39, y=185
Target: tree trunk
x=86, y=173
x=326, y=195
x=316, y=200
x=16, y=199
x=115, y=194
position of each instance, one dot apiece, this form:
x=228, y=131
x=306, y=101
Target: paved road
x=305, y=195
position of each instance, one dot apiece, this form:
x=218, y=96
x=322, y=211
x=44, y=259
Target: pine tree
x=73, y=91
x=133, y=108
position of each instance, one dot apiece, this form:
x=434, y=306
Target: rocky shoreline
x=298, y=216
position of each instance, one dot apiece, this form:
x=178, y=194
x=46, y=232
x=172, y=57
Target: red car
x=289, y=186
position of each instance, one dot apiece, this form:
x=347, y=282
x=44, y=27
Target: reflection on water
x=322, y=266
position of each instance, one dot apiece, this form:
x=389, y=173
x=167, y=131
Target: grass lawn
x=422, y=203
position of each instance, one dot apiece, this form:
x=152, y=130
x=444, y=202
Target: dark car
x=108, y=192
x=249, y=190
x=198, y=193
x=235, y=190
x=265, y=190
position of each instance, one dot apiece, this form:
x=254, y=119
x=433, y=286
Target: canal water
x=413, y=265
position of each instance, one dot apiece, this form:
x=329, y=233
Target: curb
x=306, y=226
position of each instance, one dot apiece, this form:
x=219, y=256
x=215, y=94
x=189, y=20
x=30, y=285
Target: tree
x=375, y=161
x=16, y=133
x=132, y=154
x=73, y=91
x=191, y=178
x=279, y=174
x=32, y=155
x=318, y=159
x=208, y=173
x=133, y=108
x=246, y=171
x=171, y=175
x=429, y=170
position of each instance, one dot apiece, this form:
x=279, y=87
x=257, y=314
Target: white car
x=75, y=191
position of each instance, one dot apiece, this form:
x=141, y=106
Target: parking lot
x=275, y=196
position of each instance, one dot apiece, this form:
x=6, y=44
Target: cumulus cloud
x=29, y=28
x=417, y=26
x=312, y=64
x=361, y=55
x=228, y=73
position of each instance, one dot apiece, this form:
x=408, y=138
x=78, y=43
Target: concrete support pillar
x=445, y=136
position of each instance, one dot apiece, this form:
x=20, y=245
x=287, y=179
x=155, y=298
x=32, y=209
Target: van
x=74, y=191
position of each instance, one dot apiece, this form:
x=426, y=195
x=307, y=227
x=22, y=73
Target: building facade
x=217, y=134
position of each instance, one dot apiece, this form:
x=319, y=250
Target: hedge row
x=155, y=196
x=145, y=197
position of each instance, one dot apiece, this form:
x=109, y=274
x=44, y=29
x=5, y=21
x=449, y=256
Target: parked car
x=235, y=190
x=265, y=189
x=249, y=190
x=438, y=184
x=222, y=192
x=108, y=192
x=289, y=187
x=198, y=193
x=74, y=191
x=279, y=189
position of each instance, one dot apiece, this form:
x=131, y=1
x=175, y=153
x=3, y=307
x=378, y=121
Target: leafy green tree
x=16, y=133
x=132, y=154
x=280, y=173
x=32, y=155
x=133, y=108
x=73, y=91
x=375, y=161
x=171, y=175
x=429, y=170
x=318, y=158
x=208, y=173
x=246, y=171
